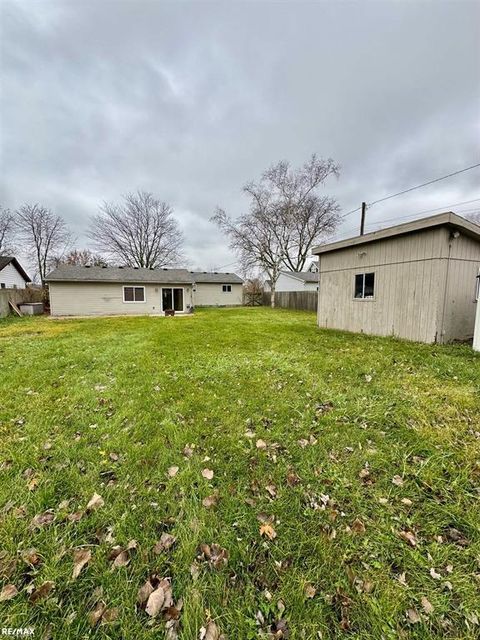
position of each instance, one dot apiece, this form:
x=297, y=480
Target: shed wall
x=212, y=295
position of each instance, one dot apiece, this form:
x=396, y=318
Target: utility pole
x=362, y=222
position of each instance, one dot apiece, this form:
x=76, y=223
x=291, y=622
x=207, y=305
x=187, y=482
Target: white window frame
x=134, y=286
x=364, y=273
x=226, y=290
x=183, y=298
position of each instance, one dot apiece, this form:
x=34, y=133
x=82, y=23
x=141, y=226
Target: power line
x=418, y=186
x=418, y=213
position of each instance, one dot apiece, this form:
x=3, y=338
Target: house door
x=172, y=298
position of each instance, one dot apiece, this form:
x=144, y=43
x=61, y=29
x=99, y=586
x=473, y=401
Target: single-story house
x=12, y=274
x=416, y=280
x=89, y=290
x=294, y=281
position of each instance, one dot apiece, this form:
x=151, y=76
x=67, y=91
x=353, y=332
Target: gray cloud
x=190, y=100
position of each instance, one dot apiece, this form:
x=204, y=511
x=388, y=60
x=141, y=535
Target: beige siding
x=458, y=312
x=409, y=286
x=212, y=295
x=99, y=298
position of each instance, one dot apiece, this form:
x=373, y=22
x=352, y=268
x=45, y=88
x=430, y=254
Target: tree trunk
x=272, y=297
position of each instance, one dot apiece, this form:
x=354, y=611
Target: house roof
x=305, y=276
x=448, y=219
x=6, y=260
x=216, y=277
x=74, y=273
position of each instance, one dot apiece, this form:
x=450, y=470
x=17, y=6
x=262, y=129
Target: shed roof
x=448, y=219
x=74, y=273
x=6, y=260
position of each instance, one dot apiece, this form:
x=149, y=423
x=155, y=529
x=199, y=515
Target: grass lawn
x=344, y=498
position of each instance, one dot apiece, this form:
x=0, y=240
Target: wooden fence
x=303, y=300
x=17, y=296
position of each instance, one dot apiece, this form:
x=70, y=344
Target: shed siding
x=10, y=277
x=212, y=295
x=99, y=298
x=409, y=286
x=460, y=307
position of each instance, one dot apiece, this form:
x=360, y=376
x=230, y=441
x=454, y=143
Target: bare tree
x=139, y=232
x=287, y=217
x=6, y=230
x=43, y=235
x=80, y=257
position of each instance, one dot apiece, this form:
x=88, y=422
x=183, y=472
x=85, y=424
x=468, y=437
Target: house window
x=134, y=294
x=364, y=285
x=2, y=285
x=226, y=288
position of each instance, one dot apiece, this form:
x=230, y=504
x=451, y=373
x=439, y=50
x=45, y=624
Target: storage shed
x=416, y=280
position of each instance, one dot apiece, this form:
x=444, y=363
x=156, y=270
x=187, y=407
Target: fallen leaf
x=76, y=516
x=95, y=502
x=188, y=451
x=95, y=616
x=42, y=591
x=413, y=616
x=271, y=490
x=363, y=473
x=144, y=592
x=214, y=554
x=121, y=559
x=280, y=629
x=8, y=592
x=210, y=501
x=358, y=526
x=81, y=557
x=210, y=632
x=406, y=501
x=30, y=556
x=207, y=473
x=261, y=444
x=172, y=471
x=409, y=538
x=42, y=519
x=310, y=590
x=292, y=478
x=166, y=542
x=427, y=606
x=110, y=615
x=398, y=481
x=159, y=599
x=435, y=575
x=268, y=531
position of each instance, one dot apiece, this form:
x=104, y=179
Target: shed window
x=226, y=288
x=134, y=294
x=364, y=285
x=2, y=285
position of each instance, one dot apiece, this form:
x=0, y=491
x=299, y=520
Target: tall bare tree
x=287, y=217
x=6, y=230
x=139, y=232
x=43, y=235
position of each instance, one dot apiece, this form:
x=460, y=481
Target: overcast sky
x=190, y=100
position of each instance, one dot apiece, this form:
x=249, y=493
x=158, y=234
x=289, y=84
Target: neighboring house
x=294, y=281
x=415, y=280
x=76, y=290
x=12, y=274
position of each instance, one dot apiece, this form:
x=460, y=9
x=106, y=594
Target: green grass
x=72, y=392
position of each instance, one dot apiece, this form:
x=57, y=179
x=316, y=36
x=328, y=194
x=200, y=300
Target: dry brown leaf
x=261, y=444
x=310, y=590
x=155, y=602
x=76, y=516
x=210, y=501
x=292, y=478
x=42, y=592
x=30, y=556
x=358, y=526
x=435, y=575
x=363, y=473
x=166, y=542
x=121, y=559
x=96, y=501
x=427, y=606
x=33, y=484
x=144, y=592
x=172, y=471
x=8, y=592
x=95, y=616
x=188, y=451
x=406, y=501
x=409, y=538
x=110, y=615
x=207, y=473
x=214, y=553
x=268, y=531
x=397, y=480
x=81, y=557
x=413, y=616
x=42, y=519
x=210, y=632
x=271, y=490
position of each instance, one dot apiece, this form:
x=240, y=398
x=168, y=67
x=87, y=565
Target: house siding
x=102, y=298
x=289, y=283
x=212, y=295
x=11, y=278
x=410, y=281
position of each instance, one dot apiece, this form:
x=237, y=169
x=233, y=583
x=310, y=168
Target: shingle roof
x=448, y=219
x=73, y=273
x=306, y=276
x=6, y=260
x=216, y=277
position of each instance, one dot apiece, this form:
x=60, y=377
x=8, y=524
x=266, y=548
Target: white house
x=96, y=291
x=295, y=281
x=12, y=274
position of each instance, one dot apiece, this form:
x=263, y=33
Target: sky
x=190, y=100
